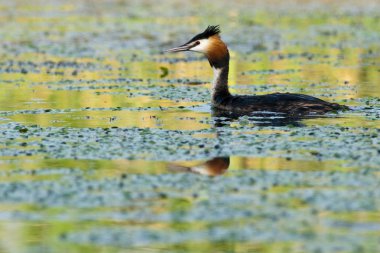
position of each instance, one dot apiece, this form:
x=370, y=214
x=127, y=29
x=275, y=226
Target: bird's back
x=288, y=103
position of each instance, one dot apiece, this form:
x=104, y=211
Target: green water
x=104, y=140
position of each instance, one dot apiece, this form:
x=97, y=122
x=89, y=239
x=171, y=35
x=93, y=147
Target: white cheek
x=202, y=47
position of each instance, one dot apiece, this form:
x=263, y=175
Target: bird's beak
x=185, y=47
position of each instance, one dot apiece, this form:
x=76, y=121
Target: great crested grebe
x=216, y=51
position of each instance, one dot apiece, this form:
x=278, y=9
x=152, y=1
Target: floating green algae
x=93, y=115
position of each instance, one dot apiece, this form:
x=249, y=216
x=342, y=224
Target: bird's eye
x=197, y=42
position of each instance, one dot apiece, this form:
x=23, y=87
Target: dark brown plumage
x=290, y=104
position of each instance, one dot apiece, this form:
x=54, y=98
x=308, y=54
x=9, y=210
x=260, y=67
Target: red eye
x=197, y=43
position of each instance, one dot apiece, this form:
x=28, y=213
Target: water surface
x=105, y=141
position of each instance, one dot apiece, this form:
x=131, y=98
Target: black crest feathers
x=210, y=31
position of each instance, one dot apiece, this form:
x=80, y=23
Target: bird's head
x=208, y=43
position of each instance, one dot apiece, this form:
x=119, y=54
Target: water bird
x=211, y=45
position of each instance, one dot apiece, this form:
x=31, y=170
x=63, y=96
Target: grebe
x=210, y=44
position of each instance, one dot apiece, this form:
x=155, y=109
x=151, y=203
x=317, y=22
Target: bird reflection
x=224, y=118
x=214, y=167
x=219, y=165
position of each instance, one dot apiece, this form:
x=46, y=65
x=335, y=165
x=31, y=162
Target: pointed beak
x=185, y=47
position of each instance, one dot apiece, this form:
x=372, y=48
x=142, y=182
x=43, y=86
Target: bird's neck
x=219, y=90
x=219, y=59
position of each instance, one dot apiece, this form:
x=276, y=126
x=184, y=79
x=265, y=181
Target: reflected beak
x=185, y=47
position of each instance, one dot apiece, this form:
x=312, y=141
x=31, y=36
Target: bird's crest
x=211, y=30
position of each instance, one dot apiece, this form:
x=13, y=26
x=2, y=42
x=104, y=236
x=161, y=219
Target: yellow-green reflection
x=345, y=73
